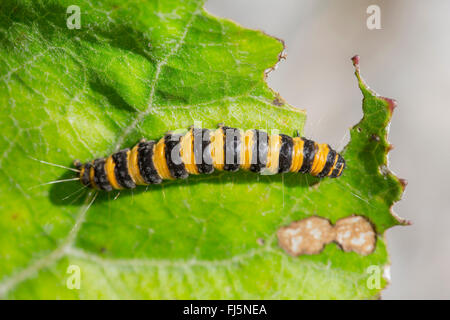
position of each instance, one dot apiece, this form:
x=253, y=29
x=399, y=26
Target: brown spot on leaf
x=283, y=54
x=355, y=60
x=278, y=101
x=307, y=236
x=392, y=104
x=403, y=182
x=355, y=234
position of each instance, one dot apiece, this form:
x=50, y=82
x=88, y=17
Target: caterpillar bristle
x=55, y=181
x=54, y=164
x=74, y=193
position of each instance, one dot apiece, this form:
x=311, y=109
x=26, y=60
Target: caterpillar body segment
x=201, y=151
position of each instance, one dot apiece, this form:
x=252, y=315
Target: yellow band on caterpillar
x=297, y=154
x=217, y=152
x=273, y=154
x=82, y=171
x=334, y=166
x=110, y=175
x=159, y=159
x=320, y=159
x=187, y=152
x=91, y=178
x=133, y=166
x=246, y=151
x=340, y=171
x=241, y=159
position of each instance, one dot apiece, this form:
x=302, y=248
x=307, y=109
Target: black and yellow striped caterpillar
x=197, y=151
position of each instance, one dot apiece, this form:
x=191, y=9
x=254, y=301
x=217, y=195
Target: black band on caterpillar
x=331, y=157
x=285, y=158
x=145, y=163
x=202, y=151
x=259, y=156
x=232, y=148
x=121, y=169
x=339, y=167
x=100, y=178
x=173, y=158
x=84, y=174
x=309, y=151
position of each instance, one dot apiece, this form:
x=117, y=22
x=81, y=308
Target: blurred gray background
x=409, y=60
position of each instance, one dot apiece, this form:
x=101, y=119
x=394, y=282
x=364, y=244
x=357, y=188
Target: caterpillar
x=201, y=151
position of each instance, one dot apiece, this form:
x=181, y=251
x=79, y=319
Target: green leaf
x=138, y=70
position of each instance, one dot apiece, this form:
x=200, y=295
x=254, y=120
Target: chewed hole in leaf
x=307, y=236
x=355, y=234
